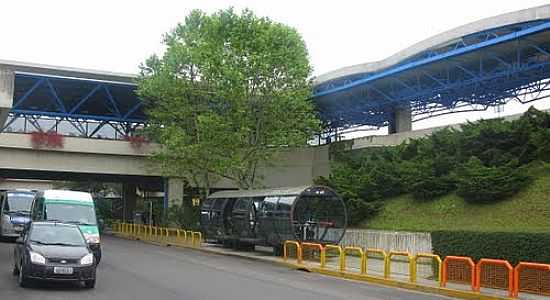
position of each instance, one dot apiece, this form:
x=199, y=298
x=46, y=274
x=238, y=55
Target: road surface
x=132, y=270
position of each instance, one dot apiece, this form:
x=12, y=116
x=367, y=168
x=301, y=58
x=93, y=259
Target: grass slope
x=528, y=211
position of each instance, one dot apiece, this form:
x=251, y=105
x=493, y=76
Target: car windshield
x=18, y=202
x=71, y=213
x=56, y=234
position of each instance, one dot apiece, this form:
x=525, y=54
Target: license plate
x=62, y=270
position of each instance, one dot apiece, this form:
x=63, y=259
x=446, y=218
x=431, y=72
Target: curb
x=344, y=275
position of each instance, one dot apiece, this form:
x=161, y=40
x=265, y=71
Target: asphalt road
x=134, y=270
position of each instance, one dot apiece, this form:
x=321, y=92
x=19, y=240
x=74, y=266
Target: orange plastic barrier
x=458, y=269
x=319, y=247
x=495, y=273
x=532, y=278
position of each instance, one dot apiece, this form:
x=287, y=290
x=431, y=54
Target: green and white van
x=69, y=207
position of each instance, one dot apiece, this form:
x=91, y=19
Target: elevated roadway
x=96, y=159
x=136, y=271
x=469, y=68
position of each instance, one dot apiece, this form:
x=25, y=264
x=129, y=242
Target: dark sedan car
x=54, y=251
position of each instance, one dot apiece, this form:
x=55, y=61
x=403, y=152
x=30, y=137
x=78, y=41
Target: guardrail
x=163, y=235
x=526, y=277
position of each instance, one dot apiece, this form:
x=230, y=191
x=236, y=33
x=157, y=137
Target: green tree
x=230, y=91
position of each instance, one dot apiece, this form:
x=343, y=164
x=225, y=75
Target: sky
x=118, y=35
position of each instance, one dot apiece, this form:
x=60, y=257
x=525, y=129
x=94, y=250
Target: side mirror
x=19, y=241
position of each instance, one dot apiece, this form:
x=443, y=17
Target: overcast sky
x=118, y=35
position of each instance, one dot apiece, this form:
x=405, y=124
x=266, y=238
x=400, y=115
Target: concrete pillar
x=174, y=191
x=7, y=82
x=129, y=199
x=402, y=120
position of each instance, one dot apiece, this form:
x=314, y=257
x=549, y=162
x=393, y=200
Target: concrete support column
x=7, y=83
x=174, y=191
x=402, y=120
x=129, y=199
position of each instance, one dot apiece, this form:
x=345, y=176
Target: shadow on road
x=56, y=286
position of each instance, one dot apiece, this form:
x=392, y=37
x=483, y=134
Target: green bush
x=363, y=180
x=479, y=183
x=511, y=246
x=484, y=161
x=425, y=181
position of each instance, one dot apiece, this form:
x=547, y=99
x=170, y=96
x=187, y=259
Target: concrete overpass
x=117, y=161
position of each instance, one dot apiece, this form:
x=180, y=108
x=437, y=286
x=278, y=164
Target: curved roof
x=260, y=193
x=440, y=40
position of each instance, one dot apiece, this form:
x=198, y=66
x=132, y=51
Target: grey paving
x=134, y=270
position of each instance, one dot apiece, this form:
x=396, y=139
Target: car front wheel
x=89, y=284
x=22, y=279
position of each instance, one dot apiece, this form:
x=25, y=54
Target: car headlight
x=88, y=259
x=37, y=258
x=92, y=238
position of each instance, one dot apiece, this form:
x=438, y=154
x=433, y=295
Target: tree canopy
x=229, y=91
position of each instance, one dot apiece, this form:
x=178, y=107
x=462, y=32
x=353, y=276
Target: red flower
x=41, y=139
x=136, y=141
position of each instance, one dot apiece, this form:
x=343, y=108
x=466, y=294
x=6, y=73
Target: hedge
x=511, y=246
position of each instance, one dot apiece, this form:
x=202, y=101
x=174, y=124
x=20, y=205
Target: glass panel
x=218, y=203
x=285, y=203
x=56, y=234
x=71, y=213
x=18, y=202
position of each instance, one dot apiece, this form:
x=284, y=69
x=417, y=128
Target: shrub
x=425, y=181
x=510, y=246
x=479, y=183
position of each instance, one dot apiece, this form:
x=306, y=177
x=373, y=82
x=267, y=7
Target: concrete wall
x=78, y=155
x=9, y=184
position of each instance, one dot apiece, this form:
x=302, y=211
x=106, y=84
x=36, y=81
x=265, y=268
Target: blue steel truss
x=475, y=72
x=88, y=107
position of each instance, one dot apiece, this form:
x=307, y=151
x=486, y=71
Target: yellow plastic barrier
x=384, y=257
x=298, y=251
x=340, y=256
x=434, y=257
x=363, y=261
x=196, y=239
x=387, y=274
x=313, y=246
x=178, y=236
x=189, y=237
